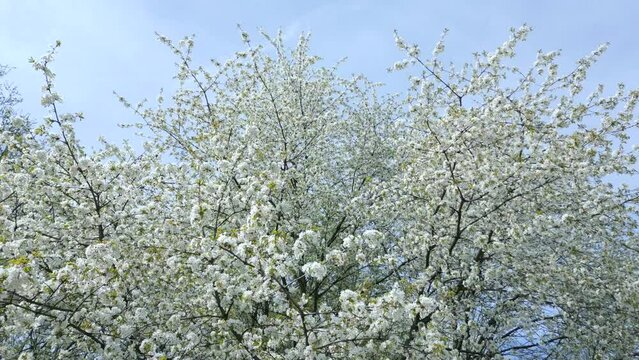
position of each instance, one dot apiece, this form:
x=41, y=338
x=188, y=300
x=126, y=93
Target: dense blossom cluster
x=280, y=211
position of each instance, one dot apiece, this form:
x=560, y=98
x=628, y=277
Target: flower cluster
x=280, y=211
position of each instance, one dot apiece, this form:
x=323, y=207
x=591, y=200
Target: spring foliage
x=281, y=211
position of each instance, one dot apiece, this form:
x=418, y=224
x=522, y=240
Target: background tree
x=8, y=96
x=9, y=99
x=281, y=211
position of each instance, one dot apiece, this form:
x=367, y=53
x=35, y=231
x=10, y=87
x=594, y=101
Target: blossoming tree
x=280, y=211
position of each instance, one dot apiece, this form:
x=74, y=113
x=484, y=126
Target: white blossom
x=314, y=270
x=279, y=210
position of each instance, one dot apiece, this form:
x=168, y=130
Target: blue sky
x=110, y=45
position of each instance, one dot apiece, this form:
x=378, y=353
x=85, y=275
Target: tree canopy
x=280, y=210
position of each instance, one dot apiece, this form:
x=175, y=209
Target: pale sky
x=110, y=45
